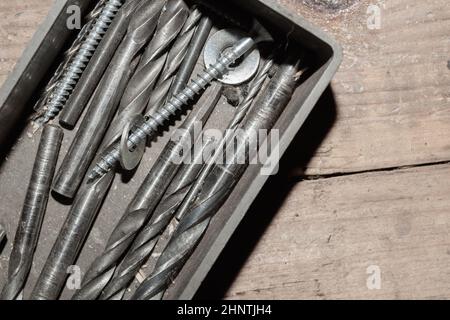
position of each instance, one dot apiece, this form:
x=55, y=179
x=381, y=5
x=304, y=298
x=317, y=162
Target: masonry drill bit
x=91, y=195
x=176, y=104
x=145, y=242
x=212, y=189
x=33, y=211
x=72, y=73
x=106, y=99
x=140, y=87
x=146, y=199
x=98, y=63
x=70, y=54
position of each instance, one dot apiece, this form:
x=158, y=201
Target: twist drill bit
x=106, y=98
x=148, y=237
x=70, y=54
x=174, y=58
x=139, y=88
x=33, y=211
x=176, y=104
x=73, y=71
x=89, y=198
x=192, y=54
x=146, y=199
x=98, y=63
x=145, y=242
x=213, y=188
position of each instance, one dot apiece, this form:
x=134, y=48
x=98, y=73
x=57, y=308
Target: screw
x=70, y=78
x=175, y=104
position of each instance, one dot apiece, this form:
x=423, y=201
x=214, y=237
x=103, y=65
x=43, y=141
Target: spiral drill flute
x=211, y=191
x=176, y=104
x=106, y=98
x=70, y=54
x=145, y=242
x=89, y=198
x=140, y=86
x=33, y=211
x=173, y=61
x=145, y=200
x=98, y=63
x=72, y=73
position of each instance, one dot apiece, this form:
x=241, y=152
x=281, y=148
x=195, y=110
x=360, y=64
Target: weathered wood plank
x=329, y=231
x=19, y=20
x=392, y=90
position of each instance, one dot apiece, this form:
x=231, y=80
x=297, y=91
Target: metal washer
x=129, y=159
x=225, y=39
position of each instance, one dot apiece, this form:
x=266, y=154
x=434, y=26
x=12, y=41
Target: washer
x=223, y=40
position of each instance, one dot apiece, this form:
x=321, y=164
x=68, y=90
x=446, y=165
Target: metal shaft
x=192, y=54
x=174, y=58
x=76, y=67
x=90, y=196
x=145, y=201
x=212, y=189
x=91, y=76
x=70, y=54
x=145, y=242
x=2, y=236
x=33, y=211
x=141, y=85
x=176, y=104
x=106, y=99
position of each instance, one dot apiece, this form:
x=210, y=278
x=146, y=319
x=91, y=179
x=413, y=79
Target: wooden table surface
x=365, y=188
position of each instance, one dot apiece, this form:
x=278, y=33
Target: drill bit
x=192, y=54
x=140, y=87
x=212, y=188
x=72, y=73
x=145, y=200
x=98, y=63
x=176, y=104
x=145, y=242
x=33, y=211
x=173, y=61
x=148, y=237
x=88, y=200
x=70, y=54
x=106, y=98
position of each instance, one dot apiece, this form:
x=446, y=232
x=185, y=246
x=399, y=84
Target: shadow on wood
x=269, y=200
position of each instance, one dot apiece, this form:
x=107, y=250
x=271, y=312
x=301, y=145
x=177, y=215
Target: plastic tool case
x=17, y=94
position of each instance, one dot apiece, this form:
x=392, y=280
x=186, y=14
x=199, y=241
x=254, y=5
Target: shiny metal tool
x=172, y=28
x=147, y=198
x=213, y=187
x=73, y=71
x=30, y=222
x=176, y=104
x=145, y=242
x=106, y=99
x=98, y=63
x=70, y=54
x=86, y=205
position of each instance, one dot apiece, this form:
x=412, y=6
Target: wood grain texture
x=392, y=98
x=392, y=90
x=329, y=231
x=19, y=20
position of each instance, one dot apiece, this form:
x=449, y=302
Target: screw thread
x=175, y=104
x=72, y=74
